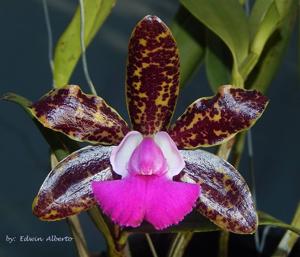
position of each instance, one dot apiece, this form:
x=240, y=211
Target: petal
x=152, y=83
x=171, y=153
x=122, y=200
x=213, y=120
x=156, y=199
x=67, y=189
x=225, y=197
x=148, y=159
x=121, y=154
x=168, y=201
x=80, y=116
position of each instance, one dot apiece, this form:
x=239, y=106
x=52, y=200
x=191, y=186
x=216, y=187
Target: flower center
x=147, y=159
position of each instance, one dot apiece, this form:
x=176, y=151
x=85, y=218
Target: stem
x=78, y=236
x=179, y=244
x=127, y=251
x=251, y=165
x=50, y=37
x=260, y=244
x=298, y=41
x=116, y=246
x=225, y=149
x=237, y=78
x=289, y=239
x=151, y=245
x=223, y=244
x=238, y=149
x=83, y=50
x=249, y=64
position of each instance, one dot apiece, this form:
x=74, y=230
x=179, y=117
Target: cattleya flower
x=150, y=171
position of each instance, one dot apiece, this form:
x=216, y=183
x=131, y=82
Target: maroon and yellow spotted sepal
x=213, y=120
x=225, y=198
x=152, y=83
x=67, y=189
x=80, y=116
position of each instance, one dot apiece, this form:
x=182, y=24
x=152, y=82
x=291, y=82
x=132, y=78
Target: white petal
x=173, y=156
x=121, y=154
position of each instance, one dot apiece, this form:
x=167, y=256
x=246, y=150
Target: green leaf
x=272, y=55
x=189, y=35
x=217, y=62
x=266, y=219
x=68, y=49
x=257, y=15
x=227, y=20
x=265, y=17
x=20, y=100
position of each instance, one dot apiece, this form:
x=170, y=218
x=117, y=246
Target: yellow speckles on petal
x=161, y=36
x=145, y=65
x=79, y=112
x=137, y=86
x=218, y=118
x=137, y=72
x=143, y=42
x=49, y=215
x=153, y=62
x=219, y=132
x=76, y=209
x=80, y=116
x=98, y=117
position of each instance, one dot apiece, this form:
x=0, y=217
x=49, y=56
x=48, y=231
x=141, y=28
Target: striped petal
x=225, y=197
x=152, y=83
x=213, y=120
x=67, y=189
x=80, y=116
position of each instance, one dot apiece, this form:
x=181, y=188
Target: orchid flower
x=150, y=171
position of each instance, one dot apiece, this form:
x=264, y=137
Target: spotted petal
x=213, y=120
x=67, y=189
x=152, y=83
x=80, y=116
x=225, y=197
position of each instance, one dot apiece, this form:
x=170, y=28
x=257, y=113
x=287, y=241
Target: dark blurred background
x=24, y=157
